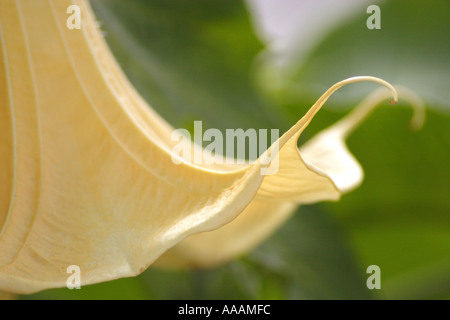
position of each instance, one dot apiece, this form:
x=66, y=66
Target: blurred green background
x=205, y=60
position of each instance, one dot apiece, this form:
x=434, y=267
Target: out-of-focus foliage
x=399, y=218
x=198, y=61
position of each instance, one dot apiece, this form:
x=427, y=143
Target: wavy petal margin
x=326, y=153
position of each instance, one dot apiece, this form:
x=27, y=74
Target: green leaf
x=399, y=218
x=312, y=257
x=189, y=60
x=410, y=49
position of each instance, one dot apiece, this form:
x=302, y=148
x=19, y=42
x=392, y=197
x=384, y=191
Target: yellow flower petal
x=86, y=163
x=7, y=296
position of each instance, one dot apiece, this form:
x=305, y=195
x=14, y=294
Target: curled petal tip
x=418, y=119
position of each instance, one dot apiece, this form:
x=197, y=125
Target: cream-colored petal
x=90, y=187
x=88, y=174
x=328, y=152
x=7, y=295
x=203, y=250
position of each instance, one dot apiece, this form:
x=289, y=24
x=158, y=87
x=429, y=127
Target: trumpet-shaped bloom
x=86, y=170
